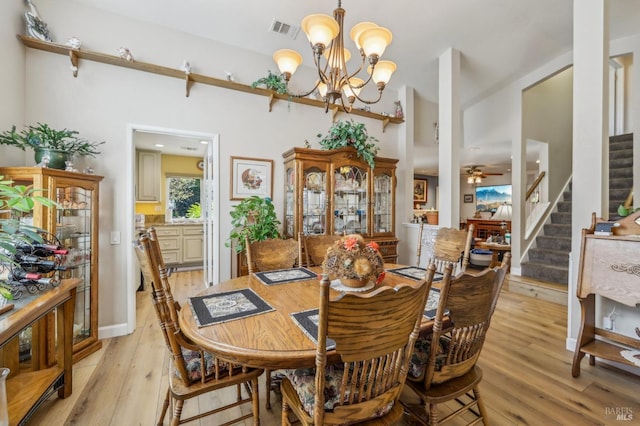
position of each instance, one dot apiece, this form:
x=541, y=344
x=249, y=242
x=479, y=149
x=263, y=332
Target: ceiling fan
x=475, y=174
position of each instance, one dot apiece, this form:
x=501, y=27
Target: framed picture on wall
x=251, y=176
x=468, y=198
x=420, y=190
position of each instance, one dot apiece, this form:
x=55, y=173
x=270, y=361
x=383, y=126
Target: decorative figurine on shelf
x=125, y=54
x=74, y=43
x=186, y=67
x=44, y=162
x=36, y=27
x=399, y=113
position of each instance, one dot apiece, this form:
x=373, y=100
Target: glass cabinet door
x=382, y=203
x=74, y=231
x=350, y=203
x=289, y=202
x=314, y=201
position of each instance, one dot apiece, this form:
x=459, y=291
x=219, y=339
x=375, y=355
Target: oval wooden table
x=270, y=340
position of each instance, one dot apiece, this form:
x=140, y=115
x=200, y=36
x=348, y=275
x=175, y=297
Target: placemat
x=431, y=307
x=282, y=276
x=414, y=272
x=228, y=306
x=308, y=323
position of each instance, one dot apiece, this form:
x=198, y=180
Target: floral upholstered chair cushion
x=193, y=361
x=303, y=380
x=420, y=356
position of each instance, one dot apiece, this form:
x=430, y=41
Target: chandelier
x=335, y=83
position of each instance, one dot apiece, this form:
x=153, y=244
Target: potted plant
x=254, y=217
x=354, y=262
x=16, y=199
x=273, y=82
x=57, y=145
x=350, y=133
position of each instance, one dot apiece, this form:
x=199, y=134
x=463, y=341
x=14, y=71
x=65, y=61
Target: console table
x=50, y=366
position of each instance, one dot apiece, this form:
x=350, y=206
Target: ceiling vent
x=280, y=27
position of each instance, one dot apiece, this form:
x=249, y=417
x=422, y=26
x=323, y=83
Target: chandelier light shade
x=288, y=61
x=326, y=37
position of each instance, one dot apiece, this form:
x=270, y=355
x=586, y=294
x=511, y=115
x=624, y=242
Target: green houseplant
x=273, y=82
x=349, y=133
x=254, y=217
x=14, y=200
x=58, y=145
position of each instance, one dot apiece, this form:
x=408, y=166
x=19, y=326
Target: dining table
x=269, y=336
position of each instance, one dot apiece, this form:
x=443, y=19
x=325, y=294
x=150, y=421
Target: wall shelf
x=76, y=54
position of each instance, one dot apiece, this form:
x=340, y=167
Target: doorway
x=178, y=143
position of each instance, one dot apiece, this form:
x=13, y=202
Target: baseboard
x=112, y=331
x=549, y=292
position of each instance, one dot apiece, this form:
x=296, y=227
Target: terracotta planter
x=432, y=217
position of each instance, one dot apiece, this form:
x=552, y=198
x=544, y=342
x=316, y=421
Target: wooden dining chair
x=312, y=249
x=443, y=366
x=192, y=371
x=445, y=246
x=270, y=255
x=374, y=335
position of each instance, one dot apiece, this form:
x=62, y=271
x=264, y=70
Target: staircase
x=620, y=171
x=549, y=259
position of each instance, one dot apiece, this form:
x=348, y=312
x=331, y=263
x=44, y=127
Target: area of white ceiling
x=499, y=40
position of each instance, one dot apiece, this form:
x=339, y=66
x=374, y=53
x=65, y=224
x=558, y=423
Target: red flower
x=373, y=245
x=350, y=243
x=380, y=277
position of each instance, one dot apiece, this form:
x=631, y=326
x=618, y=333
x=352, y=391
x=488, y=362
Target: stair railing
x=536, y=203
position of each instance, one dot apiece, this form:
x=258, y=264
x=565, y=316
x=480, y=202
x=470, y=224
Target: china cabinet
x=336, y=193
x=72, y=224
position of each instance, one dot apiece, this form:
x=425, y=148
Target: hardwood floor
x=527, y=374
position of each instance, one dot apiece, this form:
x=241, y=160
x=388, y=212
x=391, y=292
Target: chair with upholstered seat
x=443, y=366
x=270, y=255
x=374, y=335
x=192, y=371
x=313, y=248
x=444, y=246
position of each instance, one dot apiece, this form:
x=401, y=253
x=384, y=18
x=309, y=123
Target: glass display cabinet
x=336, y=193
x=73, y=225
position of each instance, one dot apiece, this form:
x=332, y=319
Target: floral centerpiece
x=354, y=262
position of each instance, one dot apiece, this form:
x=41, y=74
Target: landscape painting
x=488, y=198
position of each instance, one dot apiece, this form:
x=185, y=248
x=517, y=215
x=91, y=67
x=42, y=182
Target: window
x=183, y=196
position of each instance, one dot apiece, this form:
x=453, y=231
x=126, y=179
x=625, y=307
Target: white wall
x=13, y=79
x=104, y=99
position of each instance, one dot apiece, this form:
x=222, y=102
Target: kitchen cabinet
x=148, y=180
x=72, y=224
x=336, y=193
x=181, y=244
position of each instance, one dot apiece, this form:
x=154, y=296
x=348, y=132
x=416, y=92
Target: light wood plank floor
x=527, y=374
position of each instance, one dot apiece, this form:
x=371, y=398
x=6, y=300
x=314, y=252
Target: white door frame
x=133, y=269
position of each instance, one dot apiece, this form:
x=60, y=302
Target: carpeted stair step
x=561, y=218
x=549, y=257
x=620, y=141
x=550, y=242
x=616, y=156
x=549, y=273
x=621, y=163
x=621, y=173
x=564, y=206
x=557, y=230
x=621, y=183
